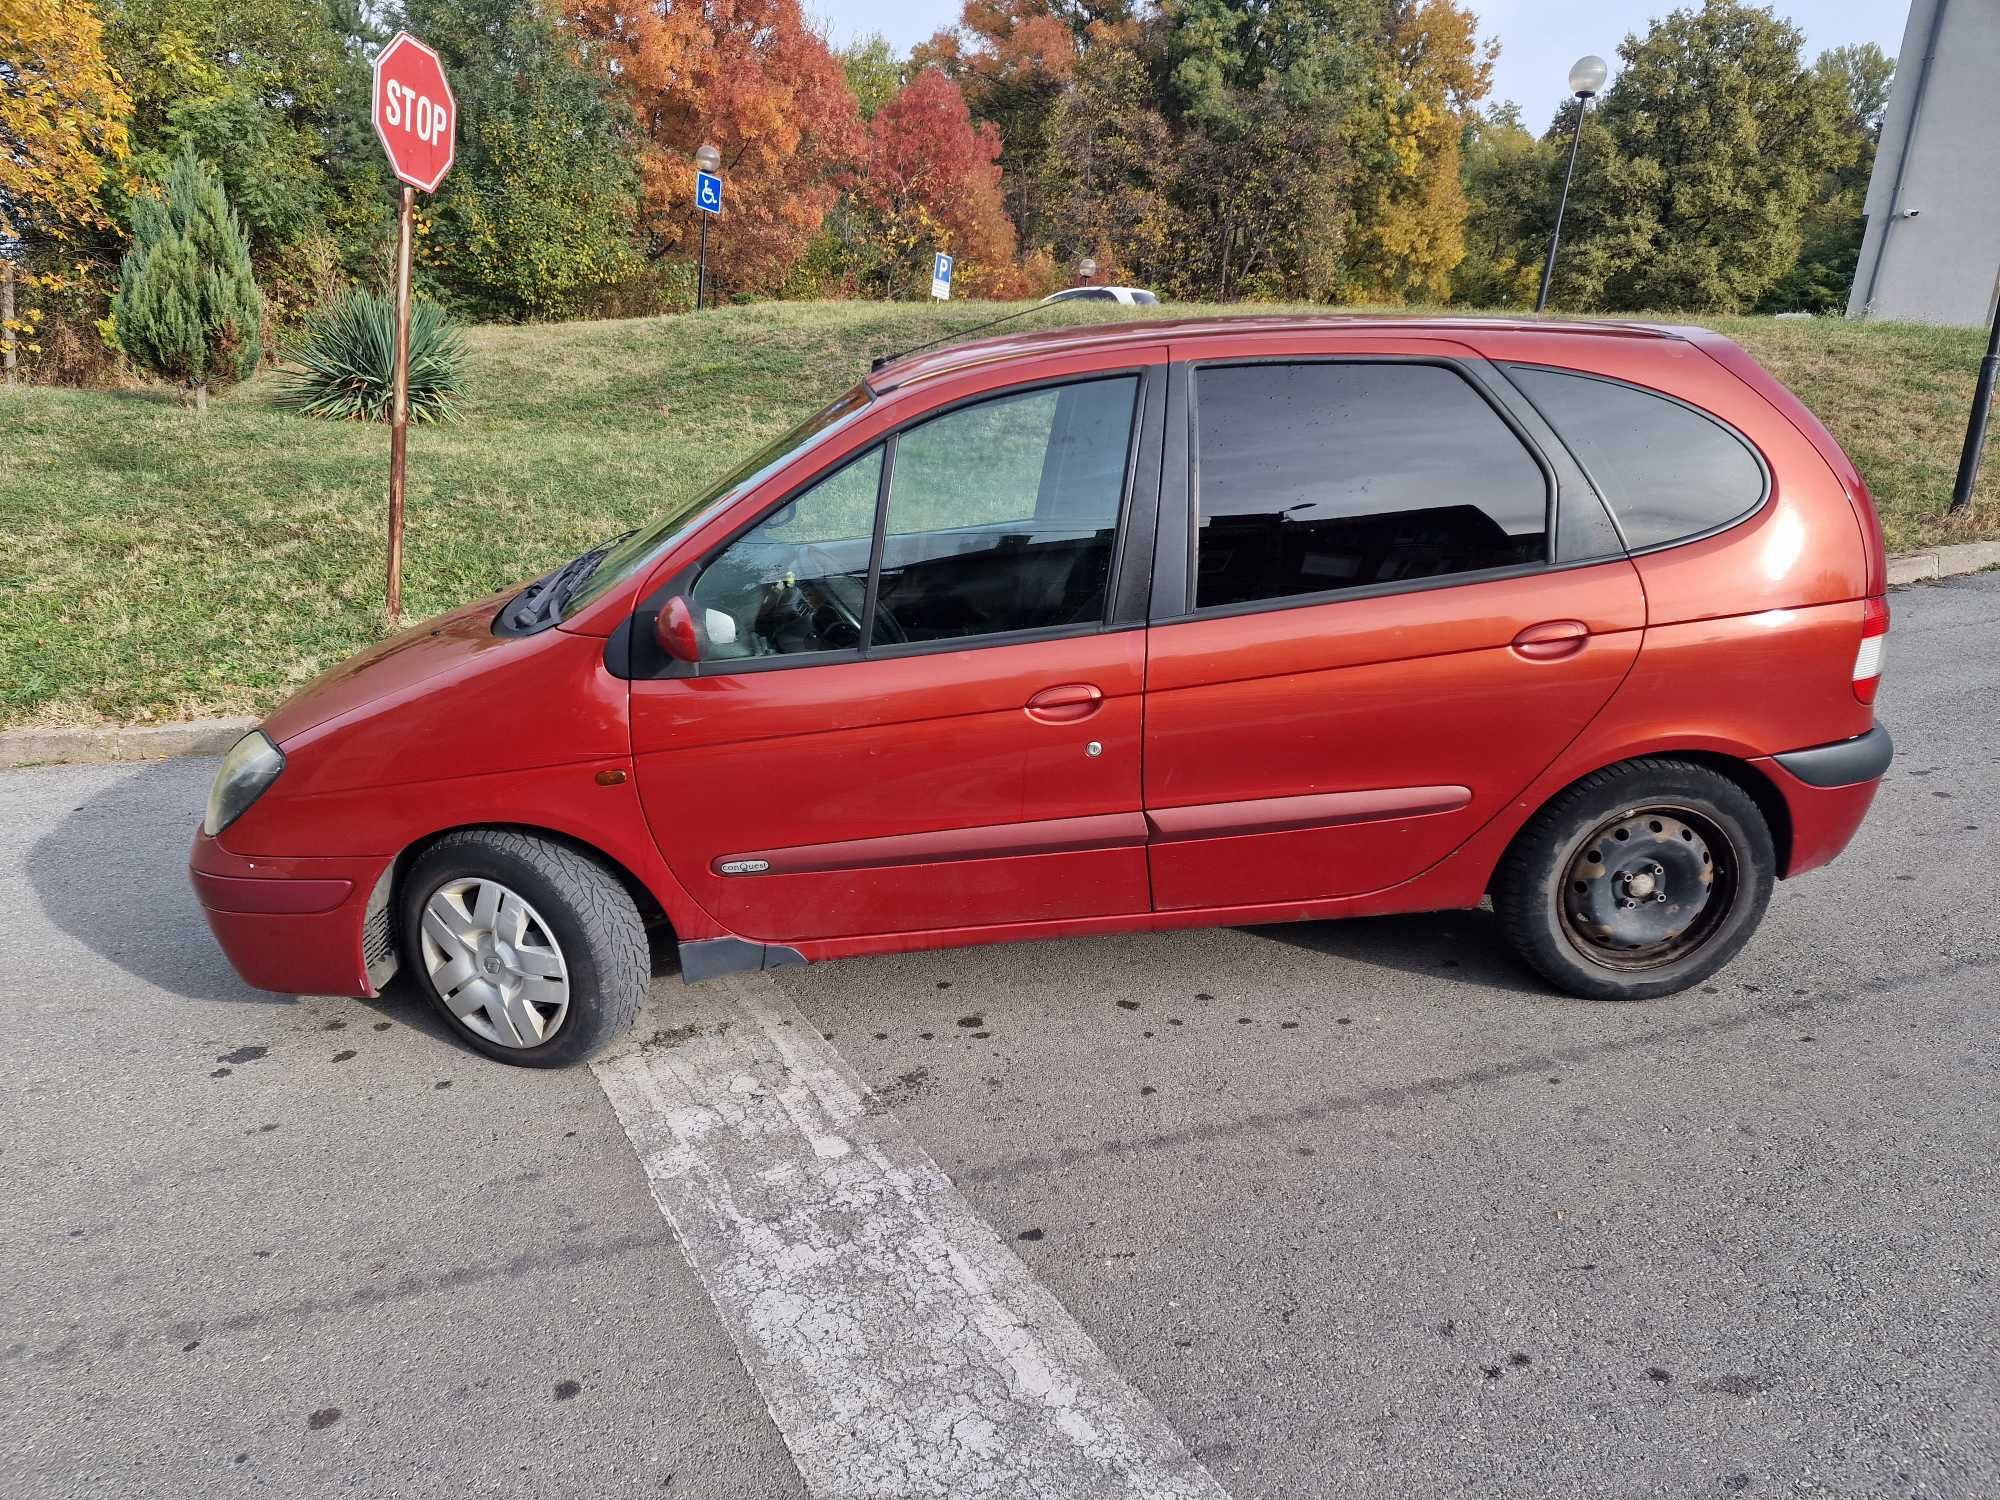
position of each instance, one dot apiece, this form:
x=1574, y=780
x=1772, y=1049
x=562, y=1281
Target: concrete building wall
x=1932, y=248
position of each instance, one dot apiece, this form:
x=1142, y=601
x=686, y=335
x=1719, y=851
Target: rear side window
x=1324, y=476
x=1666, y=471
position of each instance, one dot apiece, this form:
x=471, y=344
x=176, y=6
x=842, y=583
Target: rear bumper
x=291, y=925
x=1844, y=763
x=1828, y=790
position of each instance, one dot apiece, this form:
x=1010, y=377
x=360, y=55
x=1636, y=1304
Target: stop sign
x=415, y=114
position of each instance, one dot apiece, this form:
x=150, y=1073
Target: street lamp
x=707, y=159
x=1586, y=81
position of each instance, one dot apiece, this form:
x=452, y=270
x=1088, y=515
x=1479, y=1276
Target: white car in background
x=1130, y=296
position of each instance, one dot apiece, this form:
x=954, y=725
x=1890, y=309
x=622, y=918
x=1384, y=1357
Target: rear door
x=919, y=703
x=1398, y=602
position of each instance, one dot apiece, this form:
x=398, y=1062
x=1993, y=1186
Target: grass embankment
x=156, y=566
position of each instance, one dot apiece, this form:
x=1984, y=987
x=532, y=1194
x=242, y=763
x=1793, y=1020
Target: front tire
x=533, y=953
x=1641, y=880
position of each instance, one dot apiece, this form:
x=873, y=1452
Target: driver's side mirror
x=673, y=629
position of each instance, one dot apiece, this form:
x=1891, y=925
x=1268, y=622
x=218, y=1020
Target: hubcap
x=494, y=962
x=1647, y=887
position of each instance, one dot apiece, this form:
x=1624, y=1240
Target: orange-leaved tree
x=62, y=126
x=929, y=181
x=752, y=79
x=1014, y=59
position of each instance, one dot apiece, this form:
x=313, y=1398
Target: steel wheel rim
x=1648, y=887
x=494, y=962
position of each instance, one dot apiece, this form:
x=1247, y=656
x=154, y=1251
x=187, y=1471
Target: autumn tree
x=930, y=180
x=63, y=115
x=62, y=128
x=1407, y=203
x=1014, y=60
x=751, y=78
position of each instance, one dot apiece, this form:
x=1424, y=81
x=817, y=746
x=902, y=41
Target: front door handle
x=1065, y=703
x=1552, y=640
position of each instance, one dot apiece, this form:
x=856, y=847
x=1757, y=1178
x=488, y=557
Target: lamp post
x=707, y=159
x=1975, y=427
x=1586, y=79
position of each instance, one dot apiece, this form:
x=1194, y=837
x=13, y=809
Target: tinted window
x=1002, y=515
x=1145, y=299
x=798, y=579
x=1314, y=477
x=1665, y=470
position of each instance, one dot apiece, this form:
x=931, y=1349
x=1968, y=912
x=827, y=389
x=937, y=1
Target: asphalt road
x=1359, y=1209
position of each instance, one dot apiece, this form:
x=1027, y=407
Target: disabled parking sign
x=941, y=276
x=708, y=192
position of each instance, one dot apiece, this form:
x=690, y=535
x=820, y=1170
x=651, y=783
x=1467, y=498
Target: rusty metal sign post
x=416, y=119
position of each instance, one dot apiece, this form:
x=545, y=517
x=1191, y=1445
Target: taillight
x=1868, y=658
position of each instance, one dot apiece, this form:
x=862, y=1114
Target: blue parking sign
x=941, y=275
x=708, y=192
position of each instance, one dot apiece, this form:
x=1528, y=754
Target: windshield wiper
x=541, y=602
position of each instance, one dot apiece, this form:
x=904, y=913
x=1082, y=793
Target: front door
x=915, y=707
x=1377, y=651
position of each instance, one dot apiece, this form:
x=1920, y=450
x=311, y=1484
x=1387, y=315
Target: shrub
x=187, y=306
x=342, y=365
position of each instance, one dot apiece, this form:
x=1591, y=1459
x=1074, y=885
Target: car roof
x=910, y=369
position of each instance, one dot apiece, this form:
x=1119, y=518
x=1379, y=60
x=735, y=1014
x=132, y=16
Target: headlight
x=251, y=765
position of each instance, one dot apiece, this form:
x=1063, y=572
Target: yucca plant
x=342, y=365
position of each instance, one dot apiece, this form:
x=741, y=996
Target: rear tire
x=532, y=952
x=1640, y=880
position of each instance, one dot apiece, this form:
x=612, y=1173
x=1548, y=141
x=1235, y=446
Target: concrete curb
x=100, y=743
x=1943, y=562
x=103, y=743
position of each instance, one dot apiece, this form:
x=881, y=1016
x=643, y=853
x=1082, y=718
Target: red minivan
x=1146, y=625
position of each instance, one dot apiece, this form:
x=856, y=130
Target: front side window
x=797, y=581
x=1001, y=516
x=1323, y=476
x=1666, y=471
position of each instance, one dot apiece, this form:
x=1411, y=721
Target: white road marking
x=901, y=1348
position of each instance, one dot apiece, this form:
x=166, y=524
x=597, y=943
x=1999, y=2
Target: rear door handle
x=1552, y=640
x=1065, y=703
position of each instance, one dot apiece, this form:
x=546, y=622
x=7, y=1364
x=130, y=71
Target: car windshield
x=638, y=548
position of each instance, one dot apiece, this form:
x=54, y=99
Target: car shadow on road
x=113, y=876
x=1464, y=946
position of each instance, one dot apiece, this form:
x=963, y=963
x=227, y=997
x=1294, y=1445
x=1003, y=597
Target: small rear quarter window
x=1666, y=470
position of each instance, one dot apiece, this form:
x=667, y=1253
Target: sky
x=1539, y=39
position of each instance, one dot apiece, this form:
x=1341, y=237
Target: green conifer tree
x=187, y=307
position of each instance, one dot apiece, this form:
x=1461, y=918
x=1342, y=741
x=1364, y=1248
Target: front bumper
x=301, y=926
